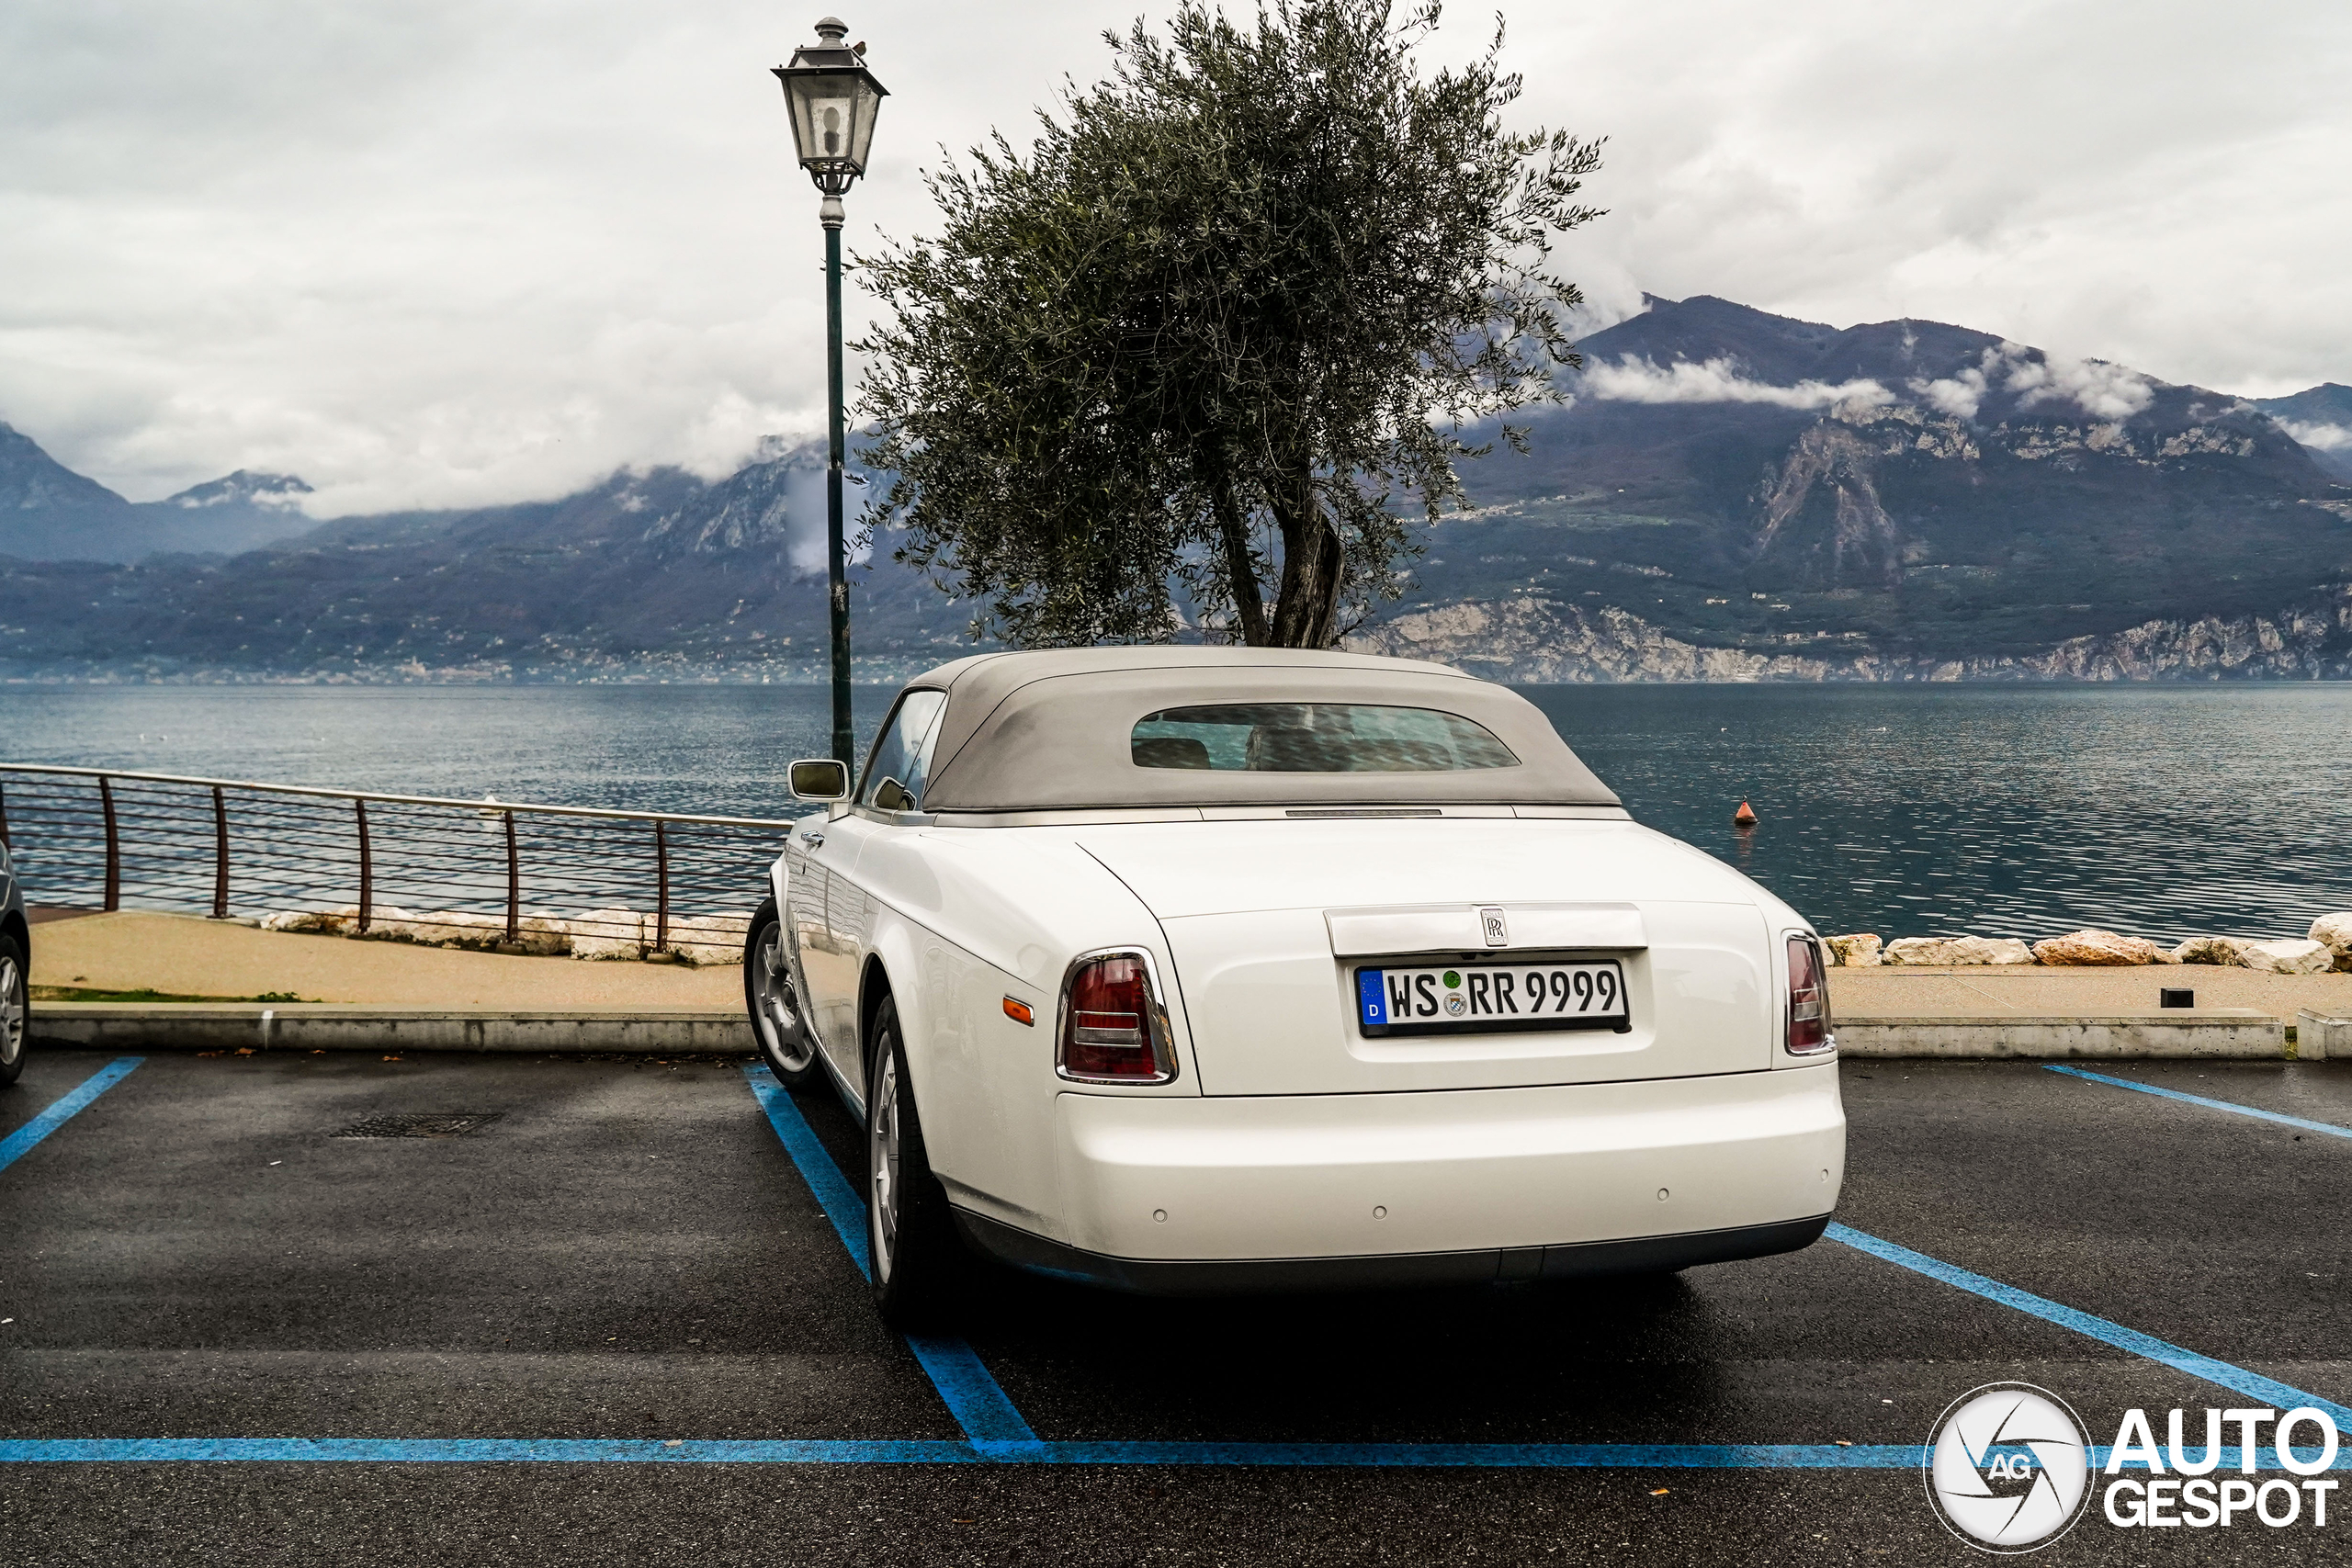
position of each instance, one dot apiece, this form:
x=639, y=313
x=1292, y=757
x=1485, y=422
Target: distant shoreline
x=895, y=673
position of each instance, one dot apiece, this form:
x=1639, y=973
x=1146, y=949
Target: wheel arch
x=894, y=970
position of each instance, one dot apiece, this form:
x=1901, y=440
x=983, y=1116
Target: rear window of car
x=1315, y=738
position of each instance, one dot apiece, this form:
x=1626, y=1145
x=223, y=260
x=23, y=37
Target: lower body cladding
x=1208, y=1195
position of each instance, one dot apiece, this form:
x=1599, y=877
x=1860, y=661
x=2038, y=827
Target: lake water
x=2004, y=810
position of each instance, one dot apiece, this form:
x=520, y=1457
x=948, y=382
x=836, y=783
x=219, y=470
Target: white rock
x=1858, y=950
x=540, y=936
x=706, y=938
x=2290, y=955
x=534, y=934
x=2092, y=946
x=457, y=928
x=2336, y=931
x=609, y=933
x=1957, y=950
x=323, y=922
x=386, y=922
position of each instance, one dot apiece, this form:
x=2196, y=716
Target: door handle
x=814, y=840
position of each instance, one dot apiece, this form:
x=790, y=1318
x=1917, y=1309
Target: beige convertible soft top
x=1051, y=731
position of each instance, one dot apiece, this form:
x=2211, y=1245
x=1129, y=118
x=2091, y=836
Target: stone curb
x=198, y=1026
x=2241, y=1033
x=354, y=1027
x=2322, y=1037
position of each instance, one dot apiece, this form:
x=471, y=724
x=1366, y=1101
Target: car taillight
x=1808, y=999
x=1111, y=1024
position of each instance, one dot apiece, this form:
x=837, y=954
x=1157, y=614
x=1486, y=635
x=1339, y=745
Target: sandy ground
x=185, y=956
x=182, y=955
x=2033, y=991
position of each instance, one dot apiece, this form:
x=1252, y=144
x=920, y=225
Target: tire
x=786, y=1045
x=16, y=1008
x=911, y=1242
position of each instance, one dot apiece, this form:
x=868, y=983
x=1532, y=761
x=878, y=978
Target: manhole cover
x=420, y=1124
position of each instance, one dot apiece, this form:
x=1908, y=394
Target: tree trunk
x=1240, y=570
x=1309, y=598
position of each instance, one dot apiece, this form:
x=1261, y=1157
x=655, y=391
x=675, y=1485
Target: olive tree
x=1219, y=329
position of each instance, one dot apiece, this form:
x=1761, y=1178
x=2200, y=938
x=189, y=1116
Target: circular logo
x=1457, y=1006
x=2008, y=1468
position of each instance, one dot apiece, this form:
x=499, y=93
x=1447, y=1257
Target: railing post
x=219, y=855
x=514, y=885
x=4, y=844
x=366, y=869
x=114, y=848
x=661, y=876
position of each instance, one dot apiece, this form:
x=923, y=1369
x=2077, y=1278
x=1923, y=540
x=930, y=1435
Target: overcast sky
x=446, y=252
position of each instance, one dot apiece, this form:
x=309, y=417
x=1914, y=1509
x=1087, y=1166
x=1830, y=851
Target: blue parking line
x=478, y=1451
x=698, y=1450
x=1496, y=1456
x=996, y=1433
x=969, y=1391
x=2238, y=1379
x=2330, y=1128
x=17, y=1144
x=724, y=1451
x=832, y=1190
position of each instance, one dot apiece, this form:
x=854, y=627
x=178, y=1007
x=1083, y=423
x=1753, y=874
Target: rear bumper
x=1301, y=1190
x=1578, y=1260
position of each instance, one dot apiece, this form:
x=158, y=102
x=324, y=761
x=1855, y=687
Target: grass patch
x=92, y=994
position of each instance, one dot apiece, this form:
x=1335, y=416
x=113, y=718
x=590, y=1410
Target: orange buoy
x=1745, y=817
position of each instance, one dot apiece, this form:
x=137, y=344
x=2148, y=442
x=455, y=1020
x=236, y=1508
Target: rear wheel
x=16, y=1008
x=911, y=1240
x=775, y=1005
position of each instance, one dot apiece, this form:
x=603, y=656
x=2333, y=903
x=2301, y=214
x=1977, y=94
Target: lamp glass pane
x=868, y=102
x=831, y=118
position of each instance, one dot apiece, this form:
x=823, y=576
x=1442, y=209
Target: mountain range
x=49, y=512
x=1723, y=493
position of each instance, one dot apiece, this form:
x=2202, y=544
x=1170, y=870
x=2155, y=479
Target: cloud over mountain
x=1730, y=494
x=1718, y=380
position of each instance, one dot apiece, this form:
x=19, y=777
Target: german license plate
x=1444, y=998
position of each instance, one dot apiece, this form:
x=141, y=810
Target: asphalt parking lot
x=619, y=1323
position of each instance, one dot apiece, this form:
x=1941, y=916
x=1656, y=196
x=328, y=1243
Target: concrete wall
x=2186, y=1034
x=201, y=1027
x=198, y=1027
x=2322, y=1037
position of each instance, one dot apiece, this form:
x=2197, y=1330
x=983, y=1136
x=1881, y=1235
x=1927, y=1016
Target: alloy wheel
x=12, y=1011
x=782, y=1035
x=882, y=1154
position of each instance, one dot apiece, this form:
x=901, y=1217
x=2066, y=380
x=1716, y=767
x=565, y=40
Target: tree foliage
x=1232, y=306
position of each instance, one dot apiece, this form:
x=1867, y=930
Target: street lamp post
x=833, y=99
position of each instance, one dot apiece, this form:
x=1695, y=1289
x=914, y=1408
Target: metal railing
x=466, y=873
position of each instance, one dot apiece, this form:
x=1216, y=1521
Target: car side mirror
x=892, y=795
x=818, y=779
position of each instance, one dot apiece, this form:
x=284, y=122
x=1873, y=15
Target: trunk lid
x=1269, y=923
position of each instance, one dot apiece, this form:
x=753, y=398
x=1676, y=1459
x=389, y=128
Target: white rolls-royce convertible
x=1180, y=969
